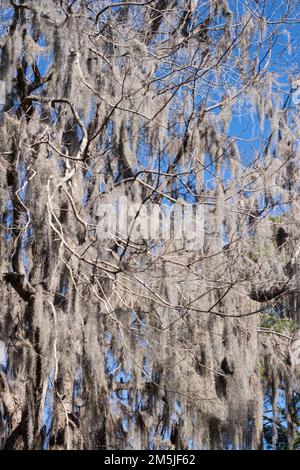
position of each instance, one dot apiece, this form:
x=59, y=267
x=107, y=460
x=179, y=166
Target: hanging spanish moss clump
x=159, y=336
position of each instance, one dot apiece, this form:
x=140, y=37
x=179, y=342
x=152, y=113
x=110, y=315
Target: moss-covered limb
x=135, y=338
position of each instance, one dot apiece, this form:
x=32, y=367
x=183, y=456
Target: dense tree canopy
x=139, y=342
